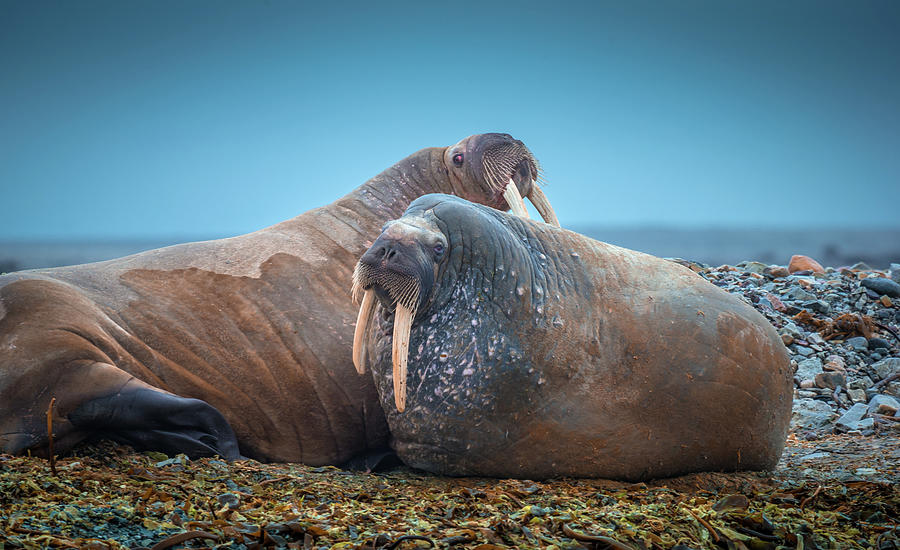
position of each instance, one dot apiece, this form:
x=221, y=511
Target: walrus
x=506, y=348
x=235, y=347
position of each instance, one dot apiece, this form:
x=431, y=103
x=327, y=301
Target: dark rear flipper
x=154, y=420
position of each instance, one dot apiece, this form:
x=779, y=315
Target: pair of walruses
x=512, y=348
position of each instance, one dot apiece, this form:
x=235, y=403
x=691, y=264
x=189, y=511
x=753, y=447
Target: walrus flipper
x=149, y=419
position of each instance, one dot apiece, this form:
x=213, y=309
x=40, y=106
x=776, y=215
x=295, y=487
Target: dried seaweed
x=110, y=497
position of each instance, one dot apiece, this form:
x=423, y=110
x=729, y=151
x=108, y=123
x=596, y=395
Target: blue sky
x=201, y=119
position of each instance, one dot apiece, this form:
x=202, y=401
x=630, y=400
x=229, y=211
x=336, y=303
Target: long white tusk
x=402, y=325
x=514, y=200
x=542, y=205
x=366, y=309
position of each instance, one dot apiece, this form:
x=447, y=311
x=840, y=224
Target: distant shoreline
x=717, y=246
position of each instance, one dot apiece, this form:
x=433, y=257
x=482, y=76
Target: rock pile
x=842, y=329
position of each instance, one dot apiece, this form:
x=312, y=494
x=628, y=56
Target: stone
x=804, y=351
x=875, y=343
x=810, y=413
x=792, y=329
x=886, y=302
x=835, y=362
x=858, y=343
x=799, y=295
x=857, y=396
x=815, y=338
x=861, y=383
x=865, y=424
x=807, y=369
x=753, y=267
x=883, y=286
x=895, y=273
x=886, y=367
x=830, y=380
x=818, y=306
x=776, y=302
x=787, y=339
x=804, y=263
x=807, y=383
x=884, y=404
x=813, y=456
x=850, y=419
x=861, y=266
x=776, y=272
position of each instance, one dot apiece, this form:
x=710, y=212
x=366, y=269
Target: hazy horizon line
x=577, y=226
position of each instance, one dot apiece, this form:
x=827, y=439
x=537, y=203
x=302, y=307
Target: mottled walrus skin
x=240, y=346
x=536, y=352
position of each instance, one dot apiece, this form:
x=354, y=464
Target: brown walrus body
x=230, y=347
x=514, y=349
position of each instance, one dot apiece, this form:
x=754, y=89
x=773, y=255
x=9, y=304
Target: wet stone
x=875, y=343
x=882, y=286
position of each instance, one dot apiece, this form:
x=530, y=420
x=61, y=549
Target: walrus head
x=505, y=168
x=399, y=270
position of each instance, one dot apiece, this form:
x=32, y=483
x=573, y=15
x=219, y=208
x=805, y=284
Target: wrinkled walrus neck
x=389, y=193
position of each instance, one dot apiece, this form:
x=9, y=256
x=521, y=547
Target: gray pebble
x=850, y=419
x=886, y=367
x=882, y=286
x=818, y=306
x=799, y=295
x=807, y=369
x=865, y=424
x=858, y=343
x=875, y=343
x=884, y=404
x=857, y=396
x=811, y=413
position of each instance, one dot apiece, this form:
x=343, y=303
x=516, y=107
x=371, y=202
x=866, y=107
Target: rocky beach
x=835, y=487
x=842, y=329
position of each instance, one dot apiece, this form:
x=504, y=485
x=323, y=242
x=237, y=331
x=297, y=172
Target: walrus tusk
x=542, y=205
x=514, y=200
x=402, y=324
x=366, y=309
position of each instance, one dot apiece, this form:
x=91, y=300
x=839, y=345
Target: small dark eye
x=439, y=249
x=458, y=159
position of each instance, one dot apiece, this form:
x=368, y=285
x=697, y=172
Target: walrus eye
x=458, y=159
x=438, y=249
